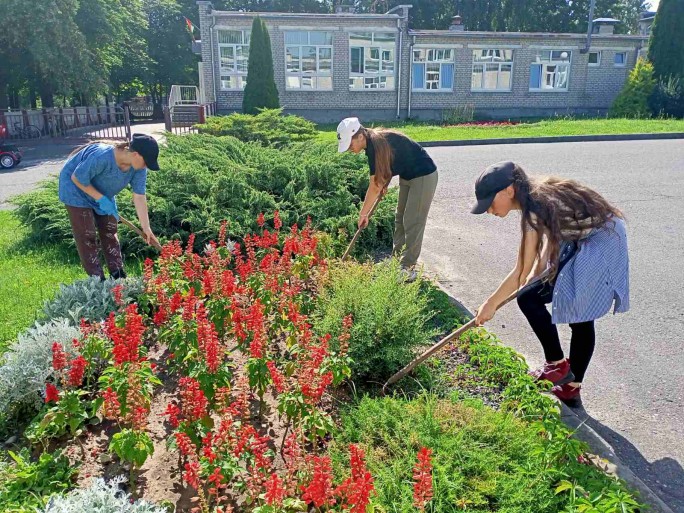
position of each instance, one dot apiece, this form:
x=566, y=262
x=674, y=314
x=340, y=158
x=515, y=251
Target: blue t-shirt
x=95, y=165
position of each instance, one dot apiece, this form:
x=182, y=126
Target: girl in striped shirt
x=579, y=239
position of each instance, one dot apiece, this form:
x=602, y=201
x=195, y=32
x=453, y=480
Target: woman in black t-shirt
x=391, y=153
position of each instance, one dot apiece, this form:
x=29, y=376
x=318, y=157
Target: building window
x=433, y=69
x=492, y=70
x=308, y=60
x=594, y=59
x=371, y=60
x=620, y=59
x=233, y=56
x=550, y=71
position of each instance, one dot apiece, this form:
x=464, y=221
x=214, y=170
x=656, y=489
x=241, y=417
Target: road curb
x=584, y=432
x=556, y=139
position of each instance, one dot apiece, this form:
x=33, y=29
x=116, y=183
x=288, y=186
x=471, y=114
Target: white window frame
x=440, y=62
x=241, y=76
x=301, y=74
x=567, y=64
x=624, y=61
x=598, y=61
x=381, y=73
x=501, y=63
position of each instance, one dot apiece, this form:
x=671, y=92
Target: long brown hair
x=383, y=152
x=562, y=209
x=119, y=146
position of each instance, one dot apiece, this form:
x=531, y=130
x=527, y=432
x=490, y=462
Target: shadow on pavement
x=665, y=476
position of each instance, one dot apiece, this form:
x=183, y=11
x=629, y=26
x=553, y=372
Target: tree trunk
x=14, y=99
x=47, y=96
x=33, y=98
x=4, y=99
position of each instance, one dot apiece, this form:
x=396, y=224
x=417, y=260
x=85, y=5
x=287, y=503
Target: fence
x=182, y=119
x=103, y=122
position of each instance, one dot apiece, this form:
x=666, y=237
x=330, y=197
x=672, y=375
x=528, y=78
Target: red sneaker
x=567, y=393
x=556, y=373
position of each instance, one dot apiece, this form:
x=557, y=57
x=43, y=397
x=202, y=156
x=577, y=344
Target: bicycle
x=27, y=132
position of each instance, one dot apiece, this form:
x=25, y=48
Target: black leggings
x=532, y=302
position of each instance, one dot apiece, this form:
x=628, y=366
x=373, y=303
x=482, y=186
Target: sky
x=654, y=5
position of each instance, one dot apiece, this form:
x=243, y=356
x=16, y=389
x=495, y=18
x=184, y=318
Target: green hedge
x=270, y=128
x=206, y=179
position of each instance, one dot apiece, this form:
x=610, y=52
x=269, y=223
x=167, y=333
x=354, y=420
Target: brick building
x=328, y=66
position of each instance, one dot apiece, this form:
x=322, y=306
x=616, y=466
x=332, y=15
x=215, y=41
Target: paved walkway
x=634, y=388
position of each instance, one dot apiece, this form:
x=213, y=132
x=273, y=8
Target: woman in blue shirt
x=88, y=183
x=577, y=236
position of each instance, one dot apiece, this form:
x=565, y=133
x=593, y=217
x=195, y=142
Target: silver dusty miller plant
x=28, y=363
x=101, y=497
x=90, y=299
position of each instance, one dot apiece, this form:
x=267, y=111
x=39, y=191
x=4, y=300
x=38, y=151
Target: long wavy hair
x=383, y=152
x=559, y=208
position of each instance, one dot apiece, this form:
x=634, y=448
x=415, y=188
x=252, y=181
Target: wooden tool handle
x=138, y=231
x=453, y=335
x=358, y=231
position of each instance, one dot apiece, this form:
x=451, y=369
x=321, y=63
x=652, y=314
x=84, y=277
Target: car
x=10, y=155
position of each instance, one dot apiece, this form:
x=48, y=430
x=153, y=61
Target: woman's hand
x=150, y=238
x=485, y=313
x=363, y=221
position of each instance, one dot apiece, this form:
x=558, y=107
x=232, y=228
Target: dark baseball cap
x=492, y=180
x=148, y=148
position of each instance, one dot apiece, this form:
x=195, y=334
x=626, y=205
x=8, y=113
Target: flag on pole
x=191, y=27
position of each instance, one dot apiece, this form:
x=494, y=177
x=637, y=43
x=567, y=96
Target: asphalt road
x=634, y=389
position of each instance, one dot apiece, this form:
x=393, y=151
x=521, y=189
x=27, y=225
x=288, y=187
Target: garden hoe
x=358, y=232
x=138, y=231
x=451, y=336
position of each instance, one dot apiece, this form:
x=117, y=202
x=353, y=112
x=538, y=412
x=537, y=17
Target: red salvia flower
x=173, y=412
x=127, y=340
x=193, y=402
x=176, y=301
x=222, y=233
x=185, y=445
x=59, y=359
x=117, y=292
x=149, y=269
x=277, y=223
x=112, y=406
x=319, y=490
x=275, y=493
x=207, y=340
x=77, y=371
x=191, y=474
x=357, y=489
x=276, y=376
x=51, y=393
x=261, y=220
x=422, y=477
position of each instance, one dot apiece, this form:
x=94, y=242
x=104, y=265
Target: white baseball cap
x=345, y=131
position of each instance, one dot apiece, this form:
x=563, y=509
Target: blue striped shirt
x=595, y=277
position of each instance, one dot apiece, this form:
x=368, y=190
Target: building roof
x=327, y=16
x=519, y=35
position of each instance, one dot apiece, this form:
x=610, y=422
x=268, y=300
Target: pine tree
x=260, y=91
x=666, y=45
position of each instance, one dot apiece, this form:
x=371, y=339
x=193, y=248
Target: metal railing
x=184, y=95
x=102, y=122
x=183, y=119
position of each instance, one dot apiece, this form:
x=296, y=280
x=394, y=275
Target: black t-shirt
x=409, y=159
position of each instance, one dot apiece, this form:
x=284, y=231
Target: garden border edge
x=584, y=432
x=555, y=139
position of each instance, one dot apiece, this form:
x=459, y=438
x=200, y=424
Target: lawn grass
x=422, y=132
x=29, y=275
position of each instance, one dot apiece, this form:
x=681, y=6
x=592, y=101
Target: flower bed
x=213, y=392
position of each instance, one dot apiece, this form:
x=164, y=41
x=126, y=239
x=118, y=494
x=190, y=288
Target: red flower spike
x=275, y=493
x=422, y=477
x=261, y=220
x=77, y=371
x=319, y=491
x=112, y=406
x=59, y=361
x=51, y=393
x=277, y=223
x=117, y=292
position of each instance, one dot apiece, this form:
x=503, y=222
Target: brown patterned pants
x=85, y=225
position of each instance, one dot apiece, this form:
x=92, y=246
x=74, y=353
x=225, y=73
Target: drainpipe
x=591, y=26
x=410, y=81
x=401, y=54
x=213, y=50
